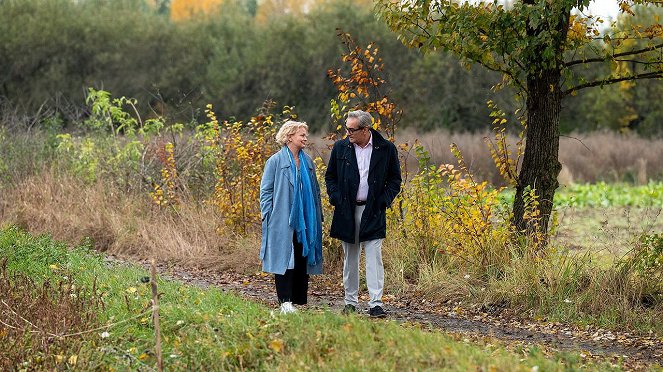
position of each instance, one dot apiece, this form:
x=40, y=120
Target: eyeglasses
x=352, y=130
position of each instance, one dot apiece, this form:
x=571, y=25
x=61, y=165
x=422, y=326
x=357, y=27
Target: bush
x=44, y=324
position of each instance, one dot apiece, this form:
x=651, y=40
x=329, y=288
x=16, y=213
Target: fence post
x=155, y=314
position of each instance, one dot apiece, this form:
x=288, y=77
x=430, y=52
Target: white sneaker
x=287, y=308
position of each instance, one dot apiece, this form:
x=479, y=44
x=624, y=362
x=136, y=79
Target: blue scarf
x=303, y=217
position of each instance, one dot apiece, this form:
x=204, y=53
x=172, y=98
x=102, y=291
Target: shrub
x=647, y=256
x=240, y=152
x=45, y=325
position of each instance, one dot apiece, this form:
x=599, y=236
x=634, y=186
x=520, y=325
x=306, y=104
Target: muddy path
x=632, y=352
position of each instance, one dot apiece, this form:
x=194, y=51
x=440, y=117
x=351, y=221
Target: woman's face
x=299, y=139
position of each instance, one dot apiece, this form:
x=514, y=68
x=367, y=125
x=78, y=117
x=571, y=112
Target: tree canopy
x=51, y=51
x=535, y=35
x=547, y=50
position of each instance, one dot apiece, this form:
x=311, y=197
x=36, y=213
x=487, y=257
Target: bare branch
x=640, y=62
x=577, y=139
x=606, y=58
x=506, y=72
x=648, y=75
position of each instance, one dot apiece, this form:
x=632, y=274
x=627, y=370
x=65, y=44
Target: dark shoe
x=377, y=312
x=349, y=309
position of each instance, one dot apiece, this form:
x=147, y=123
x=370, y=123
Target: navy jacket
x=342, y=178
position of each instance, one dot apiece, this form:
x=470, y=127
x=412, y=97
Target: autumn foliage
x=363, y=87
x=187, y=9
x=239, y=151
x=166, y=194
x=443, y=211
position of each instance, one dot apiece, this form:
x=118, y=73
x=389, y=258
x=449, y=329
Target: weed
x=45, y=325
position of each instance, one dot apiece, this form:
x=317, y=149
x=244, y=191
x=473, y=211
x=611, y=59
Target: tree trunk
x=540, y=162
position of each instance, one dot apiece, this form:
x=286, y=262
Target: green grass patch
x=610, y=232
x=603, y=195
x=207, y=329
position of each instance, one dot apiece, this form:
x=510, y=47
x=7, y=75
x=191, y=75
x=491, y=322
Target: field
x=155, y=195
x=606, y=219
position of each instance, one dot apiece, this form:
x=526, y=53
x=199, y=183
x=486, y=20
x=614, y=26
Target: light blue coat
x=276, y=193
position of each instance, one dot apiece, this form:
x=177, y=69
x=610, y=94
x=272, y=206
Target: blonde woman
x=291, y=246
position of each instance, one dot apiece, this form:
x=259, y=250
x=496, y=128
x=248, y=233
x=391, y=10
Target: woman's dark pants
x=293, y=285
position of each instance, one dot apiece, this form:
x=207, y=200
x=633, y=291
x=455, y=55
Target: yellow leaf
x=131, y=290
x=276, y=345
x=73, y=359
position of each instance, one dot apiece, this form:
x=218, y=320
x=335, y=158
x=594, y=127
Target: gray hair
x=288, y=128
x=365, y=119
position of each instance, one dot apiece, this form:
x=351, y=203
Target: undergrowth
x=207, y=329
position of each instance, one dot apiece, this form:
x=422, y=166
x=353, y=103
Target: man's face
x=357, y=135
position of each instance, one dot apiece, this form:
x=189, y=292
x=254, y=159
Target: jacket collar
x=379, y=143
x=378, y=140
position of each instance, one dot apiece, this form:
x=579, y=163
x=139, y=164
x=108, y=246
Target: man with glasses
x=363, y=178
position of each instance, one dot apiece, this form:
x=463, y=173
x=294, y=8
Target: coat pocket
x=335, y=199
x=265, y=235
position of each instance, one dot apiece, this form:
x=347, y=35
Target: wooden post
x=155, y=315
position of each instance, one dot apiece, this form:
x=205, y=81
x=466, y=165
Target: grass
x=607, y=233
x=571, y=289
x=603, y=195
x=586, y=157
x=207, y=329
x=125, y=224
x=577, y=283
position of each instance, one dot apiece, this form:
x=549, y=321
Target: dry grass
x=128, y=224
x=569, y=287
x=41, y=321
x=586, y=157
x=610, y=156
x=125, y=224
x=606, y=233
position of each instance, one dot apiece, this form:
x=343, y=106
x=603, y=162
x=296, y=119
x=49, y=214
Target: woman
x=291, y=246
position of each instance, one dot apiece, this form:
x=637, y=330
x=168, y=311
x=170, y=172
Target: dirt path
x=634, y=352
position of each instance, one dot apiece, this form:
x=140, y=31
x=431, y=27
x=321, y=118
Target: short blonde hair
x=287, y=129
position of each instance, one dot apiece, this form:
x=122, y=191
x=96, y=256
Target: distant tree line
x=236, y=56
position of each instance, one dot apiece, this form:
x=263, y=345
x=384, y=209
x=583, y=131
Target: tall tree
x=542, y=48
x=187, y=9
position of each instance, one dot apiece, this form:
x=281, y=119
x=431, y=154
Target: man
x=363, y=178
